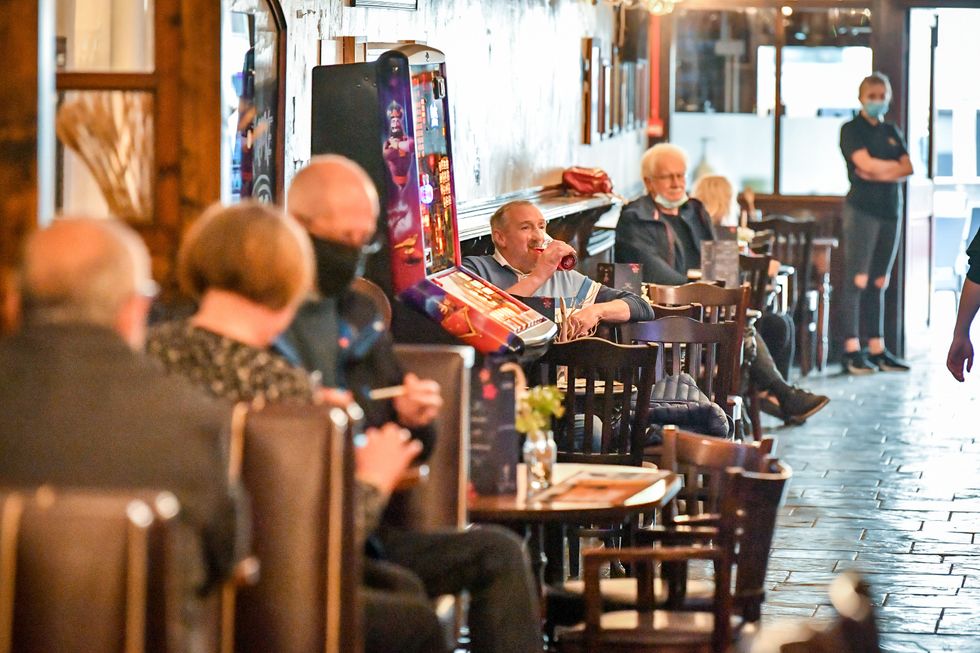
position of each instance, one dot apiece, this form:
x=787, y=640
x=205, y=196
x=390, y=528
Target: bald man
x=81, y=405
x=341, y=335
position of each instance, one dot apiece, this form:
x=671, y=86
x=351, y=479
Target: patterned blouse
x=233, y=370
x=227, y=368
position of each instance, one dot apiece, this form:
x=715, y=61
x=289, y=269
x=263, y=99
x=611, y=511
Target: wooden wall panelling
x=19, y=25
x=200, y=108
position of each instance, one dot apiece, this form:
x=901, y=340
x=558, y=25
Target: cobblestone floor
x=886, y=482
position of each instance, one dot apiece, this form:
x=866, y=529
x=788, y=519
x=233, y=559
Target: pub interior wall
x=515, y=77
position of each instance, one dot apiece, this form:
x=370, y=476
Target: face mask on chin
x=336, y=266
x=670, y=204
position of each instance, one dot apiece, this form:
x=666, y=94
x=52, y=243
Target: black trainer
x=798, y=405
x=857, y=363
x=888, y=363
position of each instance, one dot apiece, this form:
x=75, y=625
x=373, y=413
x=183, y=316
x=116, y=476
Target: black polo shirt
x=883, y=141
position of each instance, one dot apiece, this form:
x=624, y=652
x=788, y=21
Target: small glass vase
x=540, y=454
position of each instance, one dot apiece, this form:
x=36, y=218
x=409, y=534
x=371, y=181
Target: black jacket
x=642, y=236
x=80, y=408
x=365, y=362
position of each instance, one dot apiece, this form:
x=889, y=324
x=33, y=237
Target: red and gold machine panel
x=402, y=99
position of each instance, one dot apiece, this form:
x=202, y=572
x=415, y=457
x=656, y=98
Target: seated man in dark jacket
x=525, y=264
x=339, y=335
x=82, y=407
x=663, y=230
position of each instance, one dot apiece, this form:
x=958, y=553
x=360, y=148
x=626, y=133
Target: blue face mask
x=875, y=109
x=670, y=204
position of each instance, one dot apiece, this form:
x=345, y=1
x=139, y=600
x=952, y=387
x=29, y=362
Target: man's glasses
x=679, y=176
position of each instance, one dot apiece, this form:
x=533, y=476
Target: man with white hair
x=663, y=229
x=82, y=407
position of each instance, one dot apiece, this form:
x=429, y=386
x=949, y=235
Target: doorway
x=944, y=145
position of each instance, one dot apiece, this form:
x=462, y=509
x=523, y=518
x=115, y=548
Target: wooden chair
x=794, y=246
x=754, y=270
x=94, y=571
x=297, y=465
x=701, y=350
x=374, y=292
x=701, y=462
x=735, y=541
x=600, y=381
x=720, y=305
x=440, y=502
x=693, y=311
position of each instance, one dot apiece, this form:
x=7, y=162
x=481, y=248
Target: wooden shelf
x=474, y=217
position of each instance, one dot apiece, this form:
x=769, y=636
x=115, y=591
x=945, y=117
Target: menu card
x=719, y=262
x=605, y=487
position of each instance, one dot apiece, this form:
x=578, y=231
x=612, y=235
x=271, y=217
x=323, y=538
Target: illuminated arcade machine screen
x=419, y=194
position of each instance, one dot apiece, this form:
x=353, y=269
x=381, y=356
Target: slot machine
x=391, y=116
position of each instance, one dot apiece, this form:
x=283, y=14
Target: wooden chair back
x=751, y=502
x=745, y=525
x=793, y=246
x=594, y=366
x=374, y=292
x=701, y=462
x=693, y=311
x=440, y=502
x=702, y=350
x=297, y=464
x=720, y=305
x=94, y=571
x=754, y=271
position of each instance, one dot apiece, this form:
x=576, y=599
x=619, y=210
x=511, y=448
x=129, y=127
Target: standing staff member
x=877, y=161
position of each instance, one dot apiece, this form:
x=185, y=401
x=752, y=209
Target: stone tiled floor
x=886, y=482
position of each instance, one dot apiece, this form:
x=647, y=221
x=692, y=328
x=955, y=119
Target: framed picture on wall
x=605, y=106
x=389, y=4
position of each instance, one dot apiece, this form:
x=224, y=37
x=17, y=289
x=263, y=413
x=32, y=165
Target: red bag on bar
x=586, y=181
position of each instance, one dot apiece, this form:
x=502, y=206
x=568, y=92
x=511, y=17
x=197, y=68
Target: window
x=727, y=91
x=718, y=118
x=105, y=121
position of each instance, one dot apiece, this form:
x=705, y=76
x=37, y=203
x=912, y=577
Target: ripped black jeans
x=870, y=244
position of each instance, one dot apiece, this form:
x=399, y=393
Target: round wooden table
x=549, y=506
x=582, y=494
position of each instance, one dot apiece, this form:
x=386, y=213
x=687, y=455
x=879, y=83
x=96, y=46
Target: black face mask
x=336, y=266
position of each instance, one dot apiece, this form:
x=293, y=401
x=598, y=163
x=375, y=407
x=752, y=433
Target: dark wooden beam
x=19, y=106
x=106, y=81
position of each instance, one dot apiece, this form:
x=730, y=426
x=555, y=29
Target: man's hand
x=420, y=404
x=960, y=352
x=550, y=258
x=385, y=455
x=582, y=321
